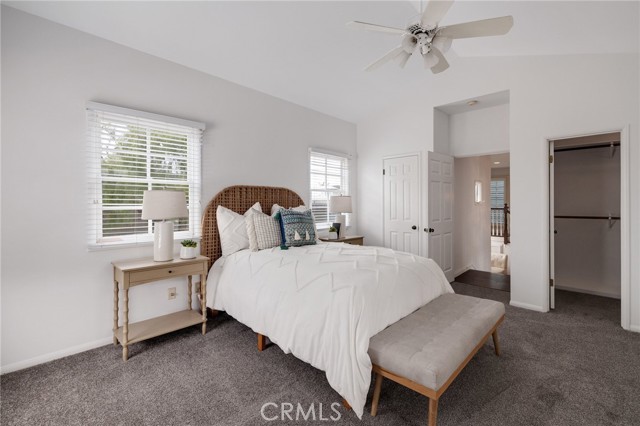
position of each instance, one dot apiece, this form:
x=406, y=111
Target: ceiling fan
x=431, y=40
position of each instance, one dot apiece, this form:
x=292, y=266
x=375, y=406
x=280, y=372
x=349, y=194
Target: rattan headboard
x=239, y=198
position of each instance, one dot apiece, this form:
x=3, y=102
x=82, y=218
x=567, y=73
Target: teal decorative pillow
x=297, y=227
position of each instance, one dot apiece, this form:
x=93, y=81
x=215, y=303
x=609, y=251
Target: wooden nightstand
x=356, y=240
x=127, y=274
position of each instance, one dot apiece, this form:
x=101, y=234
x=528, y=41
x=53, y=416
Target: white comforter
x=323, y=303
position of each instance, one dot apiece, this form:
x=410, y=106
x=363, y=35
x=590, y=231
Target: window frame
x=345, y=185
x=193, y=131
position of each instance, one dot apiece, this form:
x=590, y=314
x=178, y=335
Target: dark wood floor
x=485, y=279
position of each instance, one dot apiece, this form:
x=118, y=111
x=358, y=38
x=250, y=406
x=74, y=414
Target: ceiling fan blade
x=386, y=58
x=442, y=61
x=483, y=28
x=435, y=11
x=374, y=27
x=404, y=57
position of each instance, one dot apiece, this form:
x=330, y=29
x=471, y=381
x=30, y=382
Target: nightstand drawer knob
x=170, y=271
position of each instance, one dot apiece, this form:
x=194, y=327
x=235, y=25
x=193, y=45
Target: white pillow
x=232, y=229
x=276, y=207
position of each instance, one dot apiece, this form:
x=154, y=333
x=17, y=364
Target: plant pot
x=188, y=252
x=333, y=235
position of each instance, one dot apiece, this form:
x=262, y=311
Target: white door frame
x=625, y=217
x=420, y=197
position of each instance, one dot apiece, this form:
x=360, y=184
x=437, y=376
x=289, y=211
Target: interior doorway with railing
x=483, y=217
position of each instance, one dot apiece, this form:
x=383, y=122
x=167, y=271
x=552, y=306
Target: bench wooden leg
x=433, y=411
x=346, y=404
x=376, y=395
x=262, y=342
x=496, y=342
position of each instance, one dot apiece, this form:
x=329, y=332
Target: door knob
x=429, y=230
x=414, y=227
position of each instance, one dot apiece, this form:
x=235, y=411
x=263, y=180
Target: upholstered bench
x=427, y=349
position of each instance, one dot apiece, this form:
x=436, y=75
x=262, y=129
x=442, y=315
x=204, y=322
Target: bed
x=323, y=302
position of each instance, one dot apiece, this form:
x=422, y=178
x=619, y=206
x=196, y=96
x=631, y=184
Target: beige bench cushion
x=428, y=345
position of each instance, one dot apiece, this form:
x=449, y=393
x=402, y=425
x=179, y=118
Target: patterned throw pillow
x=251, y=229
x=263, y=230
x=232, y=229
x=297, y=228
x=276, y=208
x=267, y=231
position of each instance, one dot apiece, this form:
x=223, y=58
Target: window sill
x=124, y=246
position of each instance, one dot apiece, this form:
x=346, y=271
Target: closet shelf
x=588, y=217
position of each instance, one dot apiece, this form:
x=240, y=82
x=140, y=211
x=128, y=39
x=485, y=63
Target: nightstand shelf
x=128, y=274
x=356, y=240
x=143, y=330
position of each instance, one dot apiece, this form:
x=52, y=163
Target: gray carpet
x=573, y=366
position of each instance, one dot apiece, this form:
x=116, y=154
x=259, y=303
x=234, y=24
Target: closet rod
x=589, y=217
x=576, y=148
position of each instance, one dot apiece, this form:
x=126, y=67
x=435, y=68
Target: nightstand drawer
x=142, y=277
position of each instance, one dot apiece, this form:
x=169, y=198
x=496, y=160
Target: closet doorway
x=586, y=199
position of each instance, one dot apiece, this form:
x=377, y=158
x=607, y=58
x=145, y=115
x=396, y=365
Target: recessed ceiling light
x=496, y=162
x=472, y=103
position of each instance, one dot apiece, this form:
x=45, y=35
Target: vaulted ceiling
x=302, y=52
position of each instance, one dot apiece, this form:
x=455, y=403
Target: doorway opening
x=482, y=217
x=587, y=223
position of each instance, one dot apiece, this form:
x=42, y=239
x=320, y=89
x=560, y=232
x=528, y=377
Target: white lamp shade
x=160, y=205
x=340, y=204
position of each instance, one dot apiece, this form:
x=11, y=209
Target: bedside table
x=127, y=274
x=356, y=240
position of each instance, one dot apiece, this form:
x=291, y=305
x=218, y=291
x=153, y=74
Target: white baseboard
x=634, y=328
x=55, y=355
x=463, y=270
x=595, y=293
x=527, y=306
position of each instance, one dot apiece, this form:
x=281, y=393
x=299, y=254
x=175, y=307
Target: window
x=329, y=175
x=130, y=152
x=497, y=193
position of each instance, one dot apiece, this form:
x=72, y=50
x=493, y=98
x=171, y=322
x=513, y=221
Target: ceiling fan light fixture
x=409, y=43
x=430, y=60
x=442, y=43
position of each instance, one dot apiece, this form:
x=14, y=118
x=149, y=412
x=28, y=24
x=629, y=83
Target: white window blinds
x=329, y=175
x=132, y=151
x=497, y=192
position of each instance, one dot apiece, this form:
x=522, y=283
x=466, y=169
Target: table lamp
x=340, y=204
x=163, y=206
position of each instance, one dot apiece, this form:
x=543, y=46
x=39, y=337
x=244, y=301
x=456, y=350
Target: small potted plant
x=188, y=249
x=333, y=233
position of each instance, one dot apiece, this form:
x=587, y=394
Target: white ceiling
x=302, y=52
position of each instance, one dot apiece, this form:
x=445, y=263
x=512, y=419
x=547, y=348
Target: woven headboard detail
x=239, y=198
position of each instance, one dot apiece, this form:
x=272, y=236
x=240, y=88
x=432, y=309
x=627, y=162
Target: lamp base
x=163, y=241
x=340, y=225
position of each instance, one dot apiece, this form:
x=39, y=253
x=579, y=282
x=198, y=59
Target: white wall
x=481, y=131
x=57, y=296
x=472, y=236
x=550, y=97
x=587, y=252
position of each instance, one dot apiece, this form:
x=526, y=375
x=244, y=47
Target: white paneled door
x=402, y=203
x=440, y=220
x=552, y=232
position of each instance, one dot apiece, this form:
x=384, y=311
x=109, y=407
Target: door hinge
x=551, y=159
x=384, y=172
x=550, y=282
